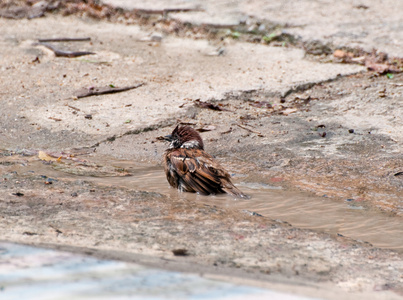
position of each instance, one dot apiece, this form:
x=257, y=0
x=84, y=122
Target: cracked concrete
x=175, y=71
x=370, y=25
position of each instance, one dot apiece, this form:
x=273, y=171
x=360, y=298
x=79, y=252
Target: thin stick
x=75, y=108
x=65, y=40
x=165, y=11
x=66, y=53
x=250, y=130
x=104, y=90
x=55, y=119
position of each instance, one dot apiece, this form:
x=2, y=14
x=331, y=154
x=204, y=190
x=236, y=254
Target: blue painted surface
x=34, y=273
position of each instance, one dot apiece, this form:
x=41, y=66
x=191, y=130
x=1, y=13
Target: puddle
x=322, y=214
x=300, y=209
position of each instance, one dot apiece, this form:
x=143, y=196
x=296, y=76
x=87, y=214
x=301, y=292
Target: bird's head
x=184, y=137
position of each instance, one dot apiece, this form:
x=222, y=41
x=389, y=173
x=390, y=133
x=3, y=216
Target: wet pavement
x=300, y=209
x=88, y=205
x=306, y=118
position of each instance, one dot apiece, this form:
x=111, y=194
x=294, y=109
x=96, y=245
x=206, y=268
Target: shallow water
x=300, y=209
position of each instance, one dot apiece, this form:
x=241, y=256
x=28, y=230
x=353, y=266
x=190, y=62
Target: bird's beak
x=168, y=138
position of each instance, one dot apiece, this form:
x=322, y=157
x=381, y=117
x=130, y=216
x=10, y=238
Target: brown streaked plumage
x=190, y=169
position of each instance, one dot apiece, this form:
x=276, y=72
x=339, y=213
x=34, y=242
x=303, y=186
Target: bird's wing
x=210, y=169
x=197, y=171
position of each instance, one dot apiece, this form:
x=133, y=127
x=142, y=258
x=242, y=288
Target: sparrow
x=191, y=169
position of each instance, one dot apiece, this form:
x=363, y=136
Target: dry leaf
x=379, y=68
x=45, y=157
x=342, y=54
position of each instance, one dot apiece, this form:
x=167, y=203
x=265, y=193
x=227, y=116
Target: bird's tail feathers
x=234, y=191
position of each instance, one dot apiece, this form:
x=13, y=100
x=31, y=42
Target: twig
x=65, y=40
x=203, y=104
x=95, y=91
x=55, y=119
x=218, y=26
x=75, y=108
x=250, y=130
x=165, y=11
x=228, y=131
x=66, y=53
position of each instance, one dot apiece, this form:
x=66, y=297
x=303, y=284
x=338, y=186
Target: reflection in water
x=300, y=209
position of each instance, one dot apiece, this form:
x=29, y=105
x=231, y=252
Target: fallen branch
x=65, y=40
x=62, y=53
x=95, y=91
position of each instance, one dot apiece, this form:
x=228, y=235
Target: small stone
x=351, y=130
x=50, y=180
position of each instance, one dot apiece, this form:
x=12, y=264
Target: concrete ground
x=301, y=103
x=33, y=273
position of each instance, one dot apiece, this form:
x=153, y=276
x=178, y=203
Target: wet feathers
x=191, y=169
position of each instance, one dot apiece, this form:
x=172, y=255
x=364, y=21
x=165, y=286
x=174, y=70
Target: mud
x=321, y=136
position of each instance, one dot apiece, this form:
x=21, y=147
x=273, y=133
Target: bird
x=191, y=169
